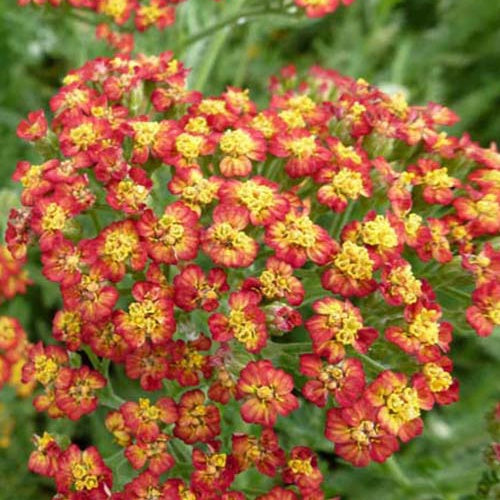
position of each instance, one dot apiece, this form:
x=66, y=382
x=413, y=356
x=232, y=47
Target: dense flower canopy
x=182, y=230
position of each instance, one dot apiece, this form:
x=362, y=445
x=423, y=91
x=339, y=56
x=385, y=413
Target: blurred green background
x=447, y=51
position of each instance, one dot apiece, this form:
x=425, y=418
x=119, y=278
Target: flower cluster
x=188, y=233
x=120, y=19
x=13, y=278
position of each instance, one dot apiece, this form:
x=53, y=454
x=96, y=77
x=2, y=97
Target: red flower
x=34, y=128
x=302, y=470
x=172, y=237
x=225, y=242
x=75, y=391
x=45, y=459
x=83, y=472
x=297, y=239
x=345, y=381
x=143, y=418
x=484, y=314
x=197, y=421
x=246, y=322
x=357, y=435
x=153, y=453
x=192, y=289
x=214, y=472
x=338, y=324
x=267, y=392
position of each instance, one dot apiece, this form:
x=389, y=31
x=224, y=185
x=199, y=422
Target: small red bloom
x=267, y=392
x=197, y=420
x=357, y=435
x=302, y=470
x=34, y=128
x=75, y=391
x=45, y=459
x=484, y=314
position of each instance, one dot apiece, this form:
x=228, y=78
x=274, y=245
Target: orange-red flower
x=34, y=128
x=225, y=241
x=172, y=237
x=267, y=392
x=335, y=325
x=297, y=239
x=246, y=322
x=345, y=381
x=358, y=436
x=198, y=422
x=484, y=314
x=303, y=471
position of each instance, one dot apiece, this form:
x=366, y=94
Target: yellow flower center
x=147, y=411
x=404, y=404
x=189, y=146
x=299, y=231
x=212, y=107
x=75, y=97
x=120, y=245
x=150, y=13
x=197, y=125
x=348, y=183
x=264, y=393
x=354, y=261
x=84, y=135
x=255, y=196
x=170, y=230
x=347, y=153
x=437, y=378
x=46, y=369
x=244, y=330
x=82, y=477
x=302, y=103
x=293, y=118
x=263, y=124
x=404, y=283
x=299, y=466
x=438, y=178
x=236, y=143
x=412, y=224
x=113, y=8
x=32, y=176
x=227, y=236
x=146, y=316
x=129, y=192
x=145, y=132
x=425, y=327
x=364, y=432
x=488, y=205
x=379, y=232
x=303, y=147
x=273, y=284
x=54, y=218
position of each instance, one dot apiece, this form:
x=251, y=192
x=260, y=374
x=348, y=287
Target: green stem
x=232, y=20
x=372, y=362
x=397, y=472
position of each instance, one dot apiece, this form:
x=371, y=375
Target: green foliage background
x=446, y=51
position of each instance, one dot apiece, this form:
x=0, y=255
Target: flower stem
x=397, y=472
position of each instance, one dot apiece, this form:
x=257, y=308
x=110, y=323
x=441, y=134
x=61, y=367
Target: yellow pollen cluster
x=244, y=329
x=32, y=176
x=398, y=104
x=356, y=110
x=424, y=327
x=354, y=261
x=147, y=411
x=54, y=218
x=83, y=479
x=412, y=224
x=201, y=191
x=348, y=183
x=303, y=147
x=494, y=313
x=236, y=143
x=146, y=316
x=192, y=360
x=437, y=378
x=364, y=432
x=189, y=146
x=404, y=404
x=46, y=369
x=302, y=103
x=119, y=245
x=7, y=331
x=404, y=283
x=212, y=107
x=264, y=392
x=84, y=135
x=82, y=389
x=145, y=132
x=299, y=231
x=263, y=124
x=187, y=495
x=347, y=153
x=71, y=322
x=255, y=196
x=301, y=466
x=170, y=230
x=293, y=118
x=216, y=462
x=197, y=125
x=150, y=13
x=227, y=236
x=487, y=205
x=273, y=284
x=345, y=322
x=75, y=97
x=379, y=232
x=331, y=376
x=438, y=178
x=113, y=8
x=131, y=193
